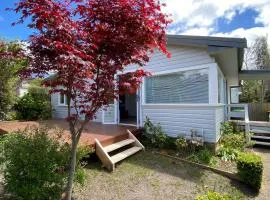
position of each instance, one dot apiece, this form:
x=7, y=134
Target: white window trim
x=199, y=67
x=59, y=100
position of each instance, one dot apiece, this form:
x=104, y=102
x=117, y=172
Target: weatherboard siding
x=180, y=120
x=175, y=121
x=109, y=114
x=58, y=111
x=181, y=57
x=220, y=118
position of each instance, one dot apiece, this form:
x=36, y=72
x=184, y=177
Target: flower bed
x=232, y=144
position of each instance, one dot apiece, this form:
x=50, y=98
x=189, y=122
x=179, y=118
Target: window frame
x=223, y=90
x=184, y=69
x=59, y=100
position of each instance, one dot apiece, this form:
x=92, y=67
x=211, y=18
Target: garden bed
x=233, y=158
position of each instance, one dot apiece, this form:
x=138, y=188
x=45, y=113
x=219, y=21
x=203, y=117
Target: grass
x=150, y=176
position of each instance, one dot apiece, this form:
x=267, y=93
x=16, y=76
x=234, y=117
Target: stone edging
x=218, y=171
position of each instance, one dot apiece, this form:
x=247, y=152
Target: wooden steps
x=123, y=149
x=118, y=145
x=124, y=154
x=260, y=136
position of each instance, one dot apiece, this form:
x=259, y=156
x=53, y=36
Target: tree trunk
x=72, y=167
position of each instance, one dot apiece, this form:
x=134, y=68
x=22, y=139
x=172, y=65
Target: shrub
x=181, y=144
x=227, y=128
x=154, y=135
x=234, y=141
x=213, y=196
x=250, y=169
x=227, y=154
x=34, y=106
x=203, y=155
x=35, y=165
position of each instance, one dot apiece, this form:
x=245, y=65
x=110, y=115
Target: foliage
x=231, y=142
x=202, y=155
x=35, y=164
x=213, y=196
x=32, y=166
x=227, y=128
x=181, y=144
x=154, y=135
x=11, y=62
x=257, y=56
x=227, y=154
x=251, y=91
x=34, y=105
x=235, y=141
x=36, y=86
x=92, y=40
x=250, y=169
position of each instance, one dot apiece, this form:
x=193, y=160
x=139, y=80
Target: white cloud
x=198, y=17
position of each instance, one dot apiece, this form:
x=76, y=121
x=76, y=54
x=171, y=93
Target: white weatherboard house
x=187, y=92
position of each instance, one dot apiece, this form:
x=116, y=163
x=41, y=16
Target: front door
x=127, y=109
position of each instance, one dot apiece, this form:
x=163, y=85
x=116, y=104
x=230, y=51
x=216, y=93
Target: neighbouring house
x=23, y=86
x=186, y=93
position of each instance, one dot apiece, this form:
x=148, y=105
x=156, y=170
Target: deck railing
x=239, y=112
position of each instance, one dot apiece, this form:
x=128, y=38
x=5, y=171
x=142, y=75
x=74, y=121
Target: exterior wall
x=220, y=118
x=58, y=111
x=181, y=57
x=98, y=117
x=175, y=119
x=109, y=115
x=179, y=120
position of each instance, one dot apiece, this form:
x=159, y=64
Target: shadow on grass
x=150, y=161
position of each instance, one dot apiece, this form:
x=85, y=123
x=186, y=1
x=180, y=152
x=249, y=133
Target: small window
x=62, y=99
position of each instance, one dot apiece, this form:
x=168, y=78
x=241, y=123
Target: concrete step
x=124, y=154
x=118, y=145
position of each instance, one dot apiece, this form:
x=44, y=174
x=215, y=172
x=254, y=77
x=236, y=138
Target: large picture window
x=180, y=87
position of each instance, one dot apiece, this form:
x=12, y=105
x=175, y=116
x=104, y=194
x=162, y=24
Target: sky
x=225, y=18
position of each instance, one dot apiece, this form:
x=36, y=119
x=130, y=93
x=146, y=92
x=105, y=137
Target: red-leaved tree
x=87, y=43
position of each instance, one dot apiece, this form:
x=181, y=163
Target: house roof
x=207, y=41
x=212, y=43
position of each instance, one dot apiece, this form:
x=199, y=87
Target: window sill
x=184, y=105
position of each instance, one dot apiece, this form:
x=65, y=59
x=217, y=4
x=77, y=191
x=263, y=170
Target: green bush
x=35, y=165
x=34, y=105
x=227, y=128
x=250, y=169
x=235, y=141
x=154, y=135
x=213, y=196
x=227, y=154
x=181, y=144
x=203, y=156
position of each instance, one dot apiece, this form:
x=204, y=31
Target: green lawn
x=150, y=176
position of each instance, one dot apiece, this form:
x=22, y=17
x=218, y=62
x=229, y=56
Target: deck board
x=106, y=134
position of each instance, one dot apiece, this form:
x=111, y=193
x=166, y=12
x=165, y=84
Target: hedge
x=250, y=169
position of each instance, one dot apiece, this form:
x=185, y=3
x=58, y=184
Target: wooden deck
x=106, y=134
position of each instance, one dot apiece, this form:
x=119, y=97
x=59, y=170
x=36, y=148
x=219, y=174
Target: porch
x=239, y=113
x=105, y=133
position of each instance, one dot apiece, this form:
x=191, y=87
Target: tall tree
x=257, y=56
x=261, y=51
x=88, y=42
x=11, y=63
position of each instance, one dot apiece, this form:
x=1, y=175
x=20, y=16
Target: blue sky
x=227, y=18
